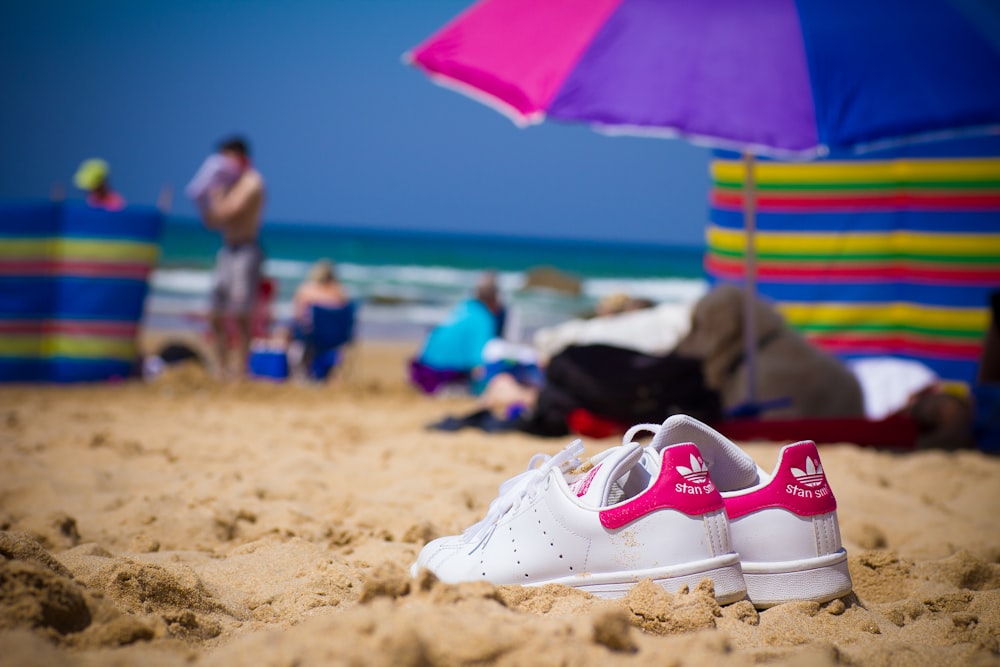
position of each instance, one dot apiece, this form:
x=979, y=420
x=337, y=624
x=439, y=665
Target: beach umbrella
x=779, y=78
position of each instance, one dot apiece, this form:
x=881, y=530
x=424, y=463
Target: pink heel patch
x=682, y=484
x=799, y=486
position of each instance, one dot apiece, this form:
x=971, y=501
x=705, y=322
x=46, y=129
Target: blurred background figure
x=217, y=171
x=986, y=391
x=989, y=363
x=234, y=209
x=320, y=290
x=619, y=302
x=455, y=347
x=488, y=294
x=94, y=177
x=793, y=378
x=321, y=287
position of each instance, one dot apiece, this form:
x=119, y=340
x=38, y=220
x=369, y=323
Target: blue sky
x=341, y=130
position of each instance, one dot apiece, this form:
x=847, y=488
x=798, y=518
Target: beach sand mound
x=38, y=593
x=190, y=523
x=424, y=622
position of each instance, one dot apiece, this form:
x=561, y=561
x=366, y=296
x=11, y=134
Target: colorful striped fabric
x=870, y=257
x=73, y=281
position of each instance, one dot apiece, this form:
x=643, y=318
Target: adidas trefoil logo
x=697, y=473
x=812, y=475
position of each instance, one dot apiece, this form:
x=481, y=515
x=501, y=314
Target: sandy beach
x=186, y=522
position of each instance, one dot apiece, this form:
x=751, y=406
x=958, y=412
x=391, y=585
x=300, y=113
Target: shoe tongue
x=731, y=468
x=600, y=487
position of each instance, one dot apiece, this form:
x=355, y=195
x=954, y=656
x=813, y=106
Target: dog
x=796, y=377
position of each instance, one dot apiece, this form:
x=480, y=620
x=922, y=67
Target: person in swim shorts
x=234, y=210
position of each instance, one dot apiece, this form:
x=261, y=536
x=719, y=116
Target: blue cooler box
x=269, y=363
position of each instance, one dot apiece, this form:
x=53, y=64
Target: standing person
x=234, y=209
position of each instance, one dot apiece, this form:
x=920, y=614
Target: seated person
x=592, y=390
x=890, y=384
x=793, y=378
x=654, y=330
x=455, y=347
x=986, y=425
x=488, y=294
x=321, y=288
x=619, y=302
x=943, y=417
x=940, y=411
x=989, y=362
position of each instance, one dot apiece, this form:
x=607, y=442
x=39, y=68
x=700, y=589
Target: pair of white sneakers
x=688, y=505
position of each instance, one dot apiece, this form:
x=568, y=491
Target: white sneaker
x=783, y=525
x=601, y=531
x=567, y=462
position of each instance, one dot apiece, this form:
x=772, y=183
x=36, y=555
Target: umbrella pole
x=750, y=284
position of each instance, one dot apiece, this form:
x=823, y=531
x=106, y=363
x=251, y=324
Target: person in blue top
x=455, y=346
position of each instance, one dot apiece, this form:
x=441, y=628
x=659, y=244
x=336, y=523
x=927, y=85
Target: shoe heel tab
x=799, y=485
x=802, y=471
x=684, y=463
x=684, y=453
x=681, y=484
x=792, y=453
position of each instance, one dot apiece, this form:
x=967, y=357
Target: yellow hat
x=91, y=173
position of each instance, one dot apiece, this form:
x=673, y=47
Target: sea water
x=407, y=281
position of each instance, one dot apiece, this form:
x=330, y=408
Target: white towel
x=217, y=170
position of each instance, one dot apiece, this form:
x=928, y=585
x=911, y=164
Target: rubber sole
x=815, y=579
x=724, y=571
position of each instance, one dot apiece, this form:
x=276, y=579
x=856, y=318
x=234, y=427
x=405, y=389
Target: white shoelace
x=637, y=429
x=520, y=487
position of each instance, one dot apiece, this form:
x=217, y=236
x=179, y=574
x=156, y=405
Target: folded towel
x=216, y=171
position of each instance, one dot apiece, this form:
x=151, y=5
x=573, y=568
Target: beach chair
x=332, y=330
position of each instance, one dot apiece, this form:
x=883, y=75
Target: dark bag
x=621, y=385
